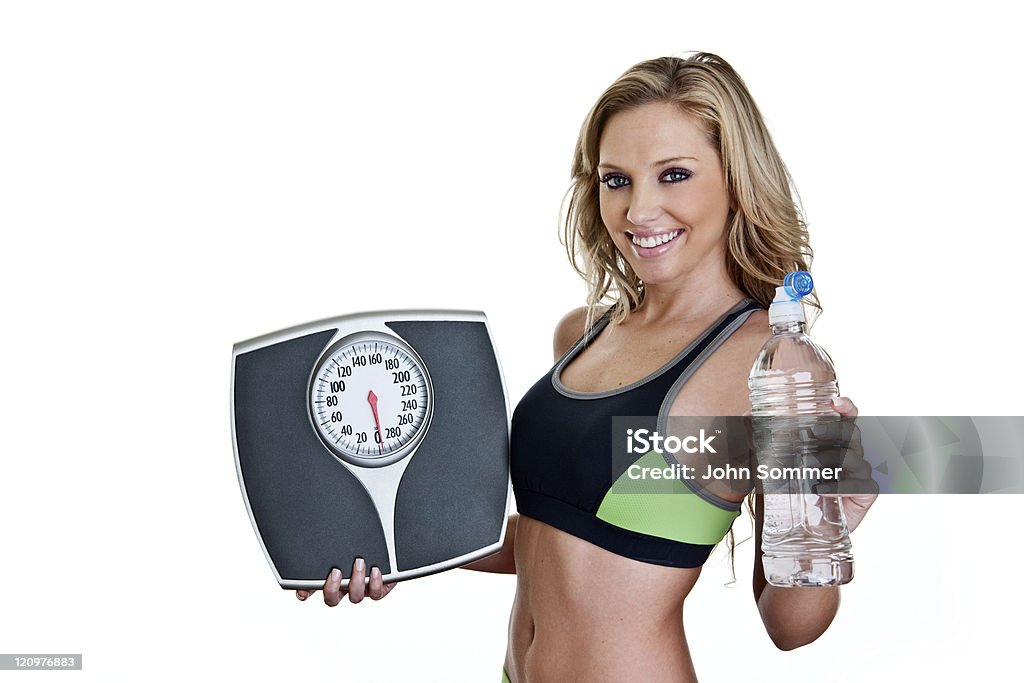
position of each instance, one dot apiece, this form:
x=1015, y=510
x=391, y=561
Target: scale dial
x=370, y=399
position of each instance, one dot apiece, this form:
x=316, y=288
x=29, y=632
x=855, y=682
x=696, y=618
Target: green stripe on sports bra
x=664, y=508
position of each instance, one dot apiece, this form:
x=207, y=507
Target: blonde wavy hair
x=766, y=234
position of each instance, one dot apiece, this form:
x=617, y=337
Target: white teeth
x=655, y=240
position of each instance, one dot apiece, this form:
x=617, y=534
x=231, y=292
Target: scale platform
x=379, y=435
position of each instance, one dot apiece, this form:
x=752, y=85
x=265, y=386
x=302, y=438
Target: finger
x=845, y=406
x=376, y=584
x=356, y=584
x=849, y=432
x=824, y=453
x=332, y=588
x=303, y=594
x=856, y=476
x=832, y=429
x=838, y=443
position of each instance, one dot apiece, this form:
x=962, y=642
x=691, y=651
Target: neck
x=696, y=296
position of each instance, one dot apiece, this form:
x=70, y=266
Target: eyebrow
x=656, y=163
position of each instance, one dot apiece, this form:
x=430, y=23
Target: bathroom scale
x=382, y=435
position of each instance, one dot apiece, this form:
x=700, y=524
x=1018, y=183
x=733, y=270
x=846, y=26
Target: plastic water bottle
x=805, y=540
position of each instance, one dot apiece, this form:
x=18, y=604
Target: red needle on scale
x=372, y=398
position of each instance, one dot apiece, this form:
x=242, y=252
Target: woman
x=682, y=214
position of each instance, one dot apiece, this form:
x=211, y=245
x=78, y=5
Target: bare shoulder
x=719, y=386
x=569, y=329
x=745, y=343
x=739, y=354
x=753, y=333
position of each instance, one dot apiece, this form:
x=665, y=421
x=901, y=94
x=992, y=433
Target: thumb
x=844, y=406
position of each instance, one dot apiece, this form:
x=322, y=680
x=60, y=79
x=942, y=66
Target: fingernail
x=360, y=564
x=300, y=596
x=335, y=574
x=375, y=572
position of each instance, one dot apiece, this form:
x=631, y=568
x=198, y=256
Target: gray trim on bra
x=673, y=392
x=556, y=382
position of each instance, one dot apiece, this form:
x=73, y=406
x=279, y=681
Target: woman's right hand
x=357, y=588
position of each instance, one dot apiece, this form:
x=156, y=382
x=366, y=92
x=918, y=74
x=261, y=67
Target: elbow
x=790, y=634
x=787, y=642
x=797, y=617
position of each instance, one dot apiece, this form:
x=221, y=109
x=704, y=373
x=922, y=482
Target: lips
x=651, y=243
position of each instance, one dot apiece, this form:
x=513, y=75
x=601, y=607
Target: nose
x=644, y=205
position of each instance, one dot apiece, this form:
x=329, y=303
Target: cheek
x=613, y=207
x=607, y=214
x=710, y=204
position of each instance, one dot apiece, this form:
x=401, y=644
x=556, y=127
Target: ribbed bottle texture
x=805, y=540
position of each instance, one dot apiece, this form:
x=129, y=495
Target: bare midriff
x=582, y=613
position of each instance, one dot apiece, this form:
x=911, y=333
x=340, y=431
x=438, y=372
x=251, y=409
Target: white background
x=179, y=176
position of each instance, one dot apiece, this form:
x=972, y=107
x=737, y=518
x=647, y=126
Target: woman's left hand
x=856, y=473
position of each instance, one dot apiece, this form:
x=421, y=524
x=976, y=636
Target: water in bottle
x=792, y=382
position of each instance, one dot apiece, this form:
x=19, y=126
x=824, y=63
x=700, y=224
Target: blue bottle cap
x=798, y=284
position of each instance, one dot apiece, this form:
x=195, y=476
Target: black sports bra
x=563, y=471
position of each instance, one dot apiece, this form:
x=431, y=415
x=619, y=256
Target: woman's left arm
x=795, y=617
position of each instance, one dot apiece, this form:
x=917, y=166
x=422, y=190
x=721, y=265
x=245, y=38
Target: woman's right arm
x=503, y=561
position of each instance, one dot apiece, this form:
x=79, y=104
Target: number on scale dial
x=369, y=399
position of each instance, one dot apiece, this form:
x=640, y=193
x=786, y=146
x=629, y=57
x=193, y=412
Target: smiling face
x=663, y=193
